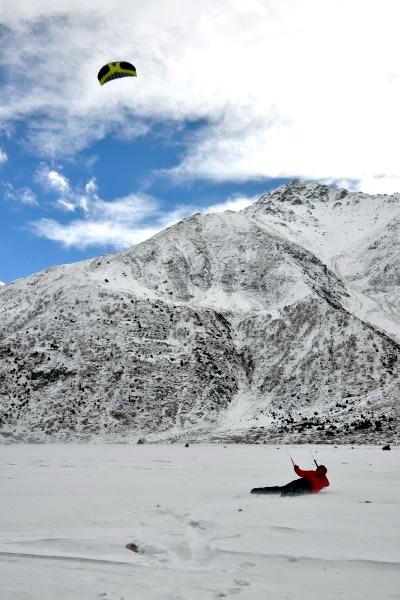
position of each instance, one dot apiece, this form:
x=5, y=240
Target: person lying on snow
x=311, y=482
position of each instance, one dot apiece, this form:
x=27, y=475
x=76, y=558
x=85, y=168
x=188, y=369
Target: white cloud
x=65, y=205
x=3, y=156
x=81, y=234
x=285, y=87
x=23, y=195
x=2, y=283
x=123, y=222
x=129, y=209
x=378, y=184
x=27, y=196
x=232, y=203
x=97, y=222
x=91, y=186
x=53, y=180
x=68, y=198
x=83, y=203
x=118, y=223
x=58, y=181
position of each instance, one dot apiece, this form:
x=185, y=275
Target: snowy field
x=67, y=512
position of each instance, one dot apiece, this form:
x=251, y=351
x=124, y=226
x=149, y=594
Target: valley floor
x=67, y=512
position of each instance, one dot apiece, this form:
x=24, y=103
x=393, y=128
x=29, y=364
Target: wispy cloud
x=118, y=223
x=3, y=156
x=232, y=203
x=22, y=195
x=121, y=222
x=65, y=196
x=91, y=186
x=81, y=234
x=65, y=205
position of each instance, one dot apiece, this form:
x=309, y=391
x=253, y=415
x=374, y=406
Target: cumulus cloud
x=52, y=180
x=2, y=283
x=57, y=181
x=283, y=88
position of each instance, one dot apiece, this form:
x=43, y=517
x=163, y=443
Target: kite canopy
x=115, y=70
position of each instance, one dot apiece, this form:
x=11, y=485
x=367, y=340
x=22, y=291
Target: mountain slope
x=354, y=234
x=253, y=325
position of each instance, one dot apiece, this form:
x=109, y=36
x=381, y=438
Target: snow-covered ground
x=67, y=512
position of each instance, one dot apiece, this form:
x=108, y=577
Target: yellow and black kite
x=115, y=70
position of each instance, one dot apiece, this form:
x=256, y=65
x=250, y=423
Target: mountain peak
x=302, y=192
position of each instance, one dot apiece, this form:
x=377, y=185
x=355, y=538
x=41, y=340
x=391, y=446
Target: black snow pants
x=297, y=487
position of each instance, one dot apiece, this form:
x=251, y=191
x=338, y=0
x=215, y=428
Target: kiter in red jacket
x=311, y=482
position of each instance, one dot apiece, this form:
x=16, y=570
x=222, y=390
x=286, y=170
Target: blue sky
x=231, y=99
x=37, y=192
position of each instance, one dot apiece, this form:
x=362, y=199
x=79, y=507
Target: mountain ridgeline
x=277, y=323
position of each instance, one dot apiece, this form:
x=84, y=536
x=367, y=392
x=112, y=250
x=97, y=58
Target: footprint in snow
x=246, y=565
x=282, y=528
x=202, y=525
x=242, y=582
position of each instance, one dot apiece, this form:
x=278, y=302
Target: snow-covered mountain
x=279, y=322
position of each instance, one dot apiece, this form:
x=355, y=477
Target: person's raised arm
x=301, y=473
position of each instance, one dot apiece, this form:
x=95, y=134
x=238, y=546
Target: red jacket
x=318, y=480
